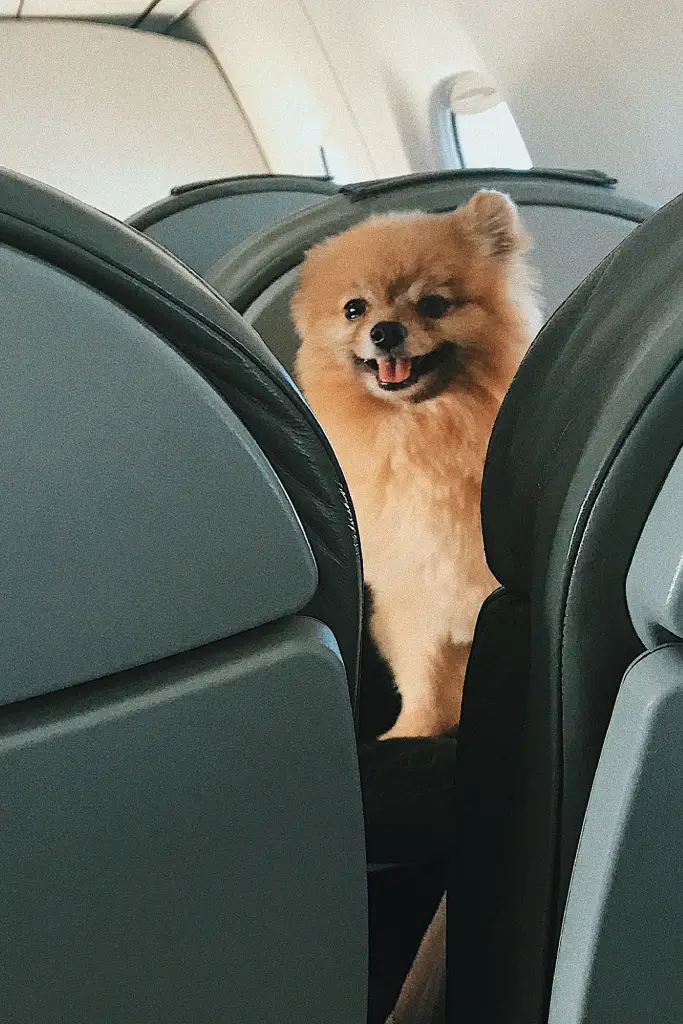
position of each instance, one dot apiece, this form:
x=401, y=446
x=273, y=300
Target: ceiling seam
x=333, y=71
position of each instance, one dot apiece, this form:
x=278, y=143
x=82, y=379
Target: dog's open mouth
x=394, y=374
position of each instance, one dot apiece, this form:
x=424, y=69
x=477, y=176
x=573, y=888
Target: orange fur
x=413, y=458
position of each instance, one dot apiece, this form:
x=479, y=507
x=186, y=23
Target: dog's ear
x=493, y=218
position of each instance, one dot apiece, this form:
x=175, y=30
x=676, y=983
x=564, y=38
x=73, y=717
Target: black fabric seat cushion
x=407, y=795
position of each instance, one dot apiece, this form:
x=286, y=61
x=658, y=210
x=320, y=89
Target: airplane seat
x=183, y=832
x=199, y=223
x=575, y=219
x=582, y=526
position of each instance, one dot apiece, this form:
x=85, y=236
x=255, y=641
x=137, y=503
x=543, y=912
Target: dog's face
x=406, y=303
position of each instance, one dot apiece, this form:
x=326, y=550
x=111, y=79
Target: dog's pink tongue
x=393, y=371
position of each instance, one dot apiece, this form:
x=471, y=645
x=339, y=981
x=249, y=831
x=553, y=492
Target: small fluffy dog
x=412, y=327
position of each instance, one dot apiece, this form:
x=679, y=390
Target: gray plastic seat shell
x=584, y=440
x=185, y=842
x=200, y=235
x=182, y=197
x=136, y=273
x=271, y=318
x=140, y=519
x=31, y=211
x=182, y=841
x=621, y=946
x=578, y=240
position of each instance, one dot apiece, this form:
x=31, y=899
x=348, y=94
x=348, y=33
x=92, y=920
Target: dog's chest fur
x=416, y=487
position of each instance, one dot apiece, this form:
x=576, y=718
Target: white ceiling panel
x=124, y=10
x=9, y=8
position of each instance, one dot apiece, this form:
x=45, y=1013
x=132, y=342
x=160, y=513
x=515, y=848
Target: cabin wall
x=115, y=117
x=592, y=83
x=409, y=48
x=293, y=93
x=351, y=76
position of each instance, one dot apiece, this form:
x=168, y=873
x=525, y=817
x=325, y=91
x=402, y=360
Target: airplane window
x=475, y=127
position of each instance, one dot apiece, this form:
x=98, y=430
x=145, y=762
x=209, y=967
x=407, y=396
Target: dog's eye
x=355, y=308
x=433, y=306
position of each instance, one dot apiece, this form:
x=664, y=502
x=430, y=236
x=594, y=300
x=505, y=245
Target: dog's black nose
x=388, y=334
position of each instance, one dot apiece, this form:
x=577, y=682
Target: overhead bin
x=112, y=116
x=123, y=12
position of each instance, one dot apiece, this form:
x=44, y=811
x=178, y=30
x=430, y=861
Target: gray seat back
x=575, y=219
x=133, y=486
x=201, y=222
x=584, y=440
x=621, y=945
x=182, y=825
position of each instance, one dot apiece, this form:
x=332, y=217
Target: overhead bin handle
x=374, y=188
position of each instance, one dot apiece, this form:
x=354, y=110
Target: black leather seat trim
x=363, y=189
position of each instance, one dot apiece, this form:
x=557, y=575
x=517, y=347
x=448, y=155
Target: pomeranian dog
x=412, y=326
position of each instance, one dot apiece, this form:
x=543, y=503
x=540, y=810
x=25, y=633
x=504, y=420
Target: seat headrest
x=36, y=217
x=168, y=300
x=200, y=223
x=584, y=387
x=183, y=197
x=243, y=275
